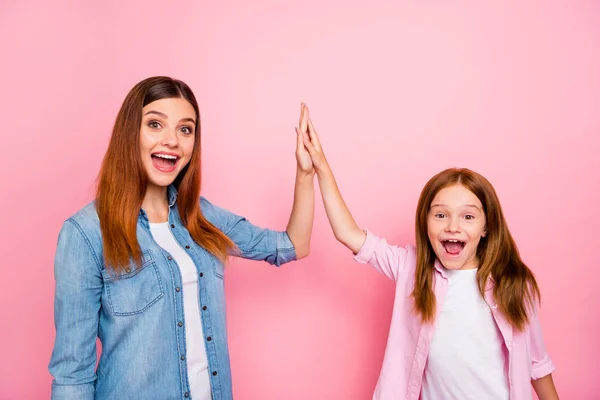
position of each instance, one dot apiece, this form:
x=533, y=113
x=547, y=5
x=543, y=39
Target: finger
x=299, y=141
x=314, y=138
x=307, y=143
x=303, y=123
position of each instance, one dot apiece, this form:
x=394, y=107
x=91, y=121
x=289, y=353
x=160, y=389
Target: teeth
x=167, y=156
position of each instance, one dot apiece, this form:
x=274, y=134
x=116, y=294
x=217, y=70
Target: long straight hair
x=515, y=289
x=123, y=180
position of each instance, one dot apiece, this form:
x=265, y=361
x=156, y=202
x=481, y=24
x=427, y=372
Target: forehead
x=175, y=106
x=456, y=196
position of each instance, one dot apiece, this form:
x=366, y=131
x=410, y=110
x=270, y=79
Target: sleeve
x=253, y=242
x=76, y=314
x=541, y=363
x=387, y=259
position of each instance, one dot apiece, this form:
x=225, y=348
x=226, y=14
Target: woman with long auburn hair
x=141, y=267
x=464, y=324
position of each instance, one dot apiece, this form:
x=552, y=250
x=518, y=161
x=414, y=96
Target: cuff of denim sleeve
x=542, y=368
x=285, y=248
x=84, y=391
x=368, y=248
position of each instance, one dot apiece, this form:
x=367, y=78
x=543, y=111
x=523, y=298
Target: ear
x=484, y=234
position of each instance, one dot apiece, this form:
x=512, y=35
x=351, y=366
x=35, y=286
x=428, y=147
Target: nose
x=169, y=138
x=453, y=225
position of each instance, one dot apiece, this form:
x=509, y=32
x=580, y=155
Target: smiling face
x=455, y=224
x=167, y=137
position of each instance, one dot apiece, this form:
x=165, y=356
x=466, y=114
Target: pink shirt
x=408, y=341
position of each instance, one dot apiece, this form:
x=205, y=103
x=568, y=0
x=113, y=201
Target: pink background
x=397, y=92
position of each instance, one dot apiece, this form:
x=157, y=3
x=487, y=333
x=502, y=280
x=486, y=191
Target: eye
x=439, y=215
x=154, y=124
x=187, y=130
x=469, y=217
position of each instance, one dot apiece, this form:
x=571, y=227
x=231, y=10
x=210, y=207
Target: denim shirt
x=137, y=313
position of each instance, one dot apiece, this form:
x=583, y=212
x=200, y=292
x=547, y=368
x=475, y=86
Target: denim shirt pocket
x=135, y=289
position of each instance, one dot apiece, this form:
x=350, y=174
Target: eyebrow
x=466, y=205
x=165, y=116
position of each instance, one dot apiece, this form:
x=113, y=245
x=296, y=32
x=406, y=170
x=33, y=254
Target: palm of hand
x=305, y=163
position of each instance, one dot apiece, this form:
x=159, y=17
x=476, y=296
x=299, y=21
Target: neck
x=156, y=204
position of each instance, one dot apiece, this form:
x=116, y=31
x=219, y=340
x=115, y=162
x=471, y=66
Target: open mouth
x=164, y=162
x=453, y=247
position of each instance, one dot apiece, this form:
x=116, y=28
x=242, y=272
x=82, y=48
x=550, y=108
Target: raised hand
x=299, y=227
x=342, y=223
x=311, y=141
x=305, y=164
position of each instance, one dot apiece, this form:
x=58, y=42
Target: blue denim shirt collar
x=171, y=194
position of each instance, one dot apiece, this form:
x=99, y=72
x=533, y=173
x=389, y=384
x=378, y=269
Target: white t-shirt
x=197, y=363
x=467, y=357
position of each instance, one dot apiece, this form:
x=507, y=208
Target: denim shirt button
x=201, y=274
x=177, y=289
x=182, y=358
x=204, y=308
x=169, y=258
x=128, y=270
x=180, y=324
x=214, y=373
x=172, y=226
x=209, y=338
x=186, y=395
x=187, y=246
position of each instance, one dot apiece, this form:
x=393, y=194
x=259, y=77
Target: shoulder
x=216, y=215
x=86, y=223
x=205, y=205
x=79, y=242
x=86, y=219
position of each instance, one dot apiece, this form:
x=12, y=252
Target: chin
x=161, y=182
x=452, y=266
